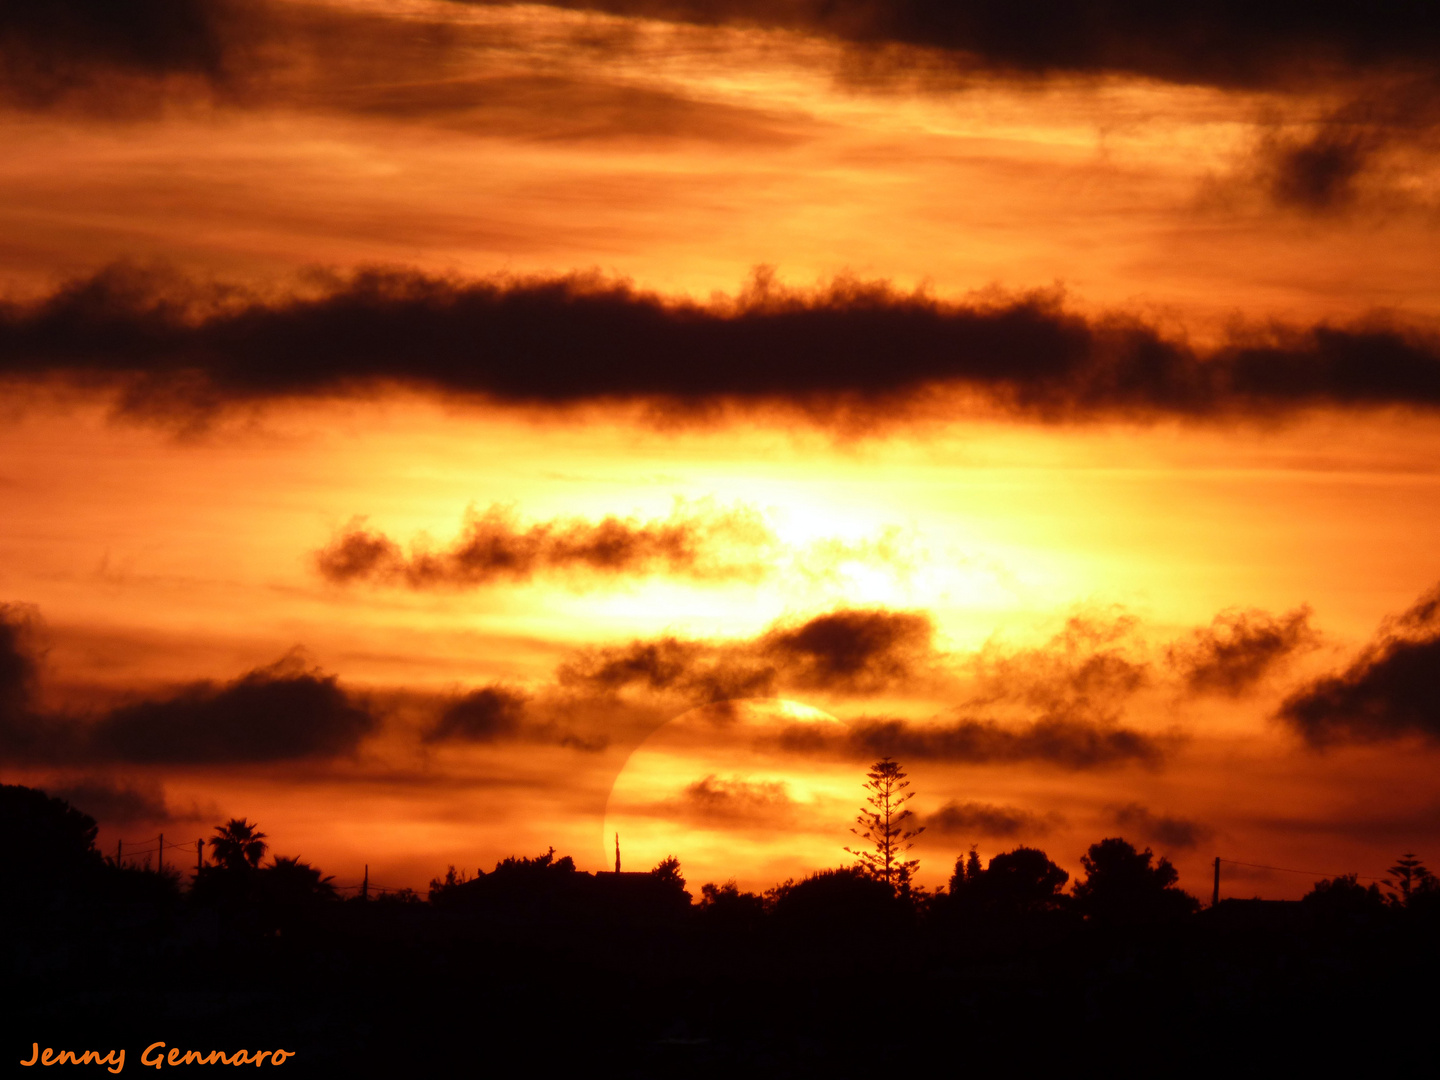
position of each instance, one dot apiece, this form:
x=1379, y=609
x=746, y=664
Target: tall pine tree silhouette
x=883, y=826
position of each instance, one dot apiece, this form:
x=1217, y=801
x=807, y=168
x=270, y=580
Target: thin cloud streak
x=565, y=77
x=1068, y=743
x=496, y=546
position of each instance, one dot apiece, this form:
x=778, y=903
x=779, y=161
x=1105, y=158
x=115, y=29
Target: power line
x=1292, y=870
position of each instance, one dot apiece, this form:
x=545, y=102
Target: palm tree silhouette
x=238, y=845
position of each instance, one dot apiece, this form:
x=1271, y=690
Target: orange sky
x=467, y=574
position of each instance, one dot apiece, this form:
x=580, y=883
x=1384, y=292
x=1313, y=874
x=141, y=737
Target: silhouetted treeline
x=637, y=974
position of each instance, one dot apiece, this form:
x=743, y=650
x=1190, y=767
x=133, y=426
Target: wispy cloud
x=1169, y=831
x=700, y=543
x=1239, y=649
x=852, y=651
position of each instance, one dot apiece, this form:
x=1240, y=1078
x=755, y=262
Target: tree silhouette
x=1411, y=877
x=883, y=825
x=238, y=845
x=967, y=871
x=52, y=845
x=1023, y=880
x=667, y=872
x=1121, y=885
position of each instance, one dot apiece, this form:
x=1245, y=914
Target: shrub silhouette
x=835, y=904
x=1343, y=897
x=724, y=909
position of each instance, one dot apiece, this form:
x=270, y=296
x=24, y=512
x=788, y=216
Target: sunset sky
x=438, y=431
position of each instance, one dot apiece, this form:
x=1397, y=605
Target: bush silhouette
x=834, y=904
x=1343, y=897
x=1019, y=882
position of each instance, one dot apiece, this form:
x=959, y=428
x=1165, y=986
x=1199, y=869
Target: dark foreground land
x=838, y=974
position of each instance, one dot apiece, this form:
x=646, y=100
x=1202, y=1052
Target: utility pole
x=199, y=858
x=162, y=853
x=365, y=885
x=617, y=853
x=119, y=852
x=1215, y=896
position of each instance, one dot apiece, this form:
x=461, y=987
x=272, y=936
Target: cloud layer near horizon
x=286, y=711
x=851, y=351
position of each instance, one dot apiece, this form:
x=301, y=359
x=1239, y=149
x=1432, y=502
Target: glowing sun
x=752, y=789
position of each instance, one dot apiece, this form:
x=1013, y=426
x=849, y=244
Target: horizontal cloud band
x=51, y=46
x=1221, y=42
x=848, y=350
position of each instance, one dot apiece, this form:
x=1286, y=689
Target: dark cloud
x=975, y=819
x=1390, y=691
x=1216, y=42
x=413, y=63
x=847, y=651
x=1064, y=742
x=484, y=715
x=843, y=353
x=26, y=732
x=495, y=545
x=1361, y=155
x=283, y=712
x=56, y=49
x=857, y=650
x=17, y=663
x=1171, y=832
x=1239, y=649
x=501, y=714
x=279, y=713
x=1319, y=173
x=113, y=802
x=662, y=664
